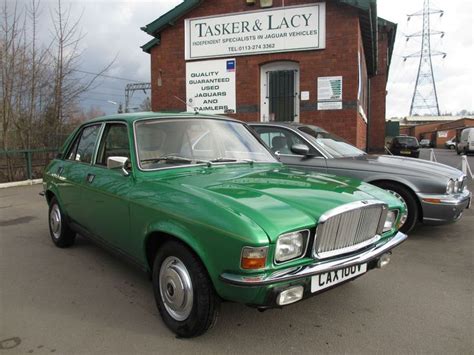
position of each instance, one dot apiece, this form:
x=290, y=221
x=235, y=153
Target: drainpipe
x=369, y=116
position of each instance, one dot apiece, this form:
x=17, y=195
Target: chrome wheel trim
x=55, y=221
x=176, y=288
x=404, y=217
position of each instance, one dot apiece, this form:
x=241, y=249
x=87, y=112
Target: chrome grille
x=349, y=227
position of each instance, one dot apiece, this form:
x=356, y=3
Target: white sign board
x=282, y=29
x=210, y=86
x=330, y=93
x=330, y=105
x=442, y=134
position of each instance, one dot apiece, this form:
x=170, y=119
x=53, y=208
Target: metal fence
x=18, y=165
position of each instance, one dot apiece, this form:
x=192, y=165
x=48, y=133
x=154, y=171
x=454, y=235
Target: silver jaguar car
x=433, y=193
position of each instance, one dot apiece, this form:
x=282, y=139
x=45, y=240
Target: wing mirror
x=300, y=149
x=119, y=163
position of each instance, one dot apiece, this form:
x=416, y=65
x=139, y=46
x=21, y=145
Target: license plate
x=328, y=279
x=405, y=152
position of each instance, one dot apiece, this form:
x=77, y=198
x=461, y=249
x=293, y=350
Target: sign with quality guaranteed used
x=210, y=86
x=284, y=29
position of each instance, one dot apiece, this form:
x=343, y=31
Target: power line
x=105, y=76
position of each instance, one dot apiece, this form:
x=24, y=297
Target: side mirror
x=300, y=149
x=119, y=163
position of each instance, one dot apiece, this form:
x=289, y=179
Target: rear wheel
x=61, y=235
x=184, y=293
x=408, y=200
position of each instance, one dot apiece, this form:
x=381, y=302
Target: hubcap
x=404, y=216
x=176, y=288
x=55, y=221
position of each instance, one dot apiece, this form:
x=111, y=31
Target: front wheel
x=184, y=293
x=405, y=196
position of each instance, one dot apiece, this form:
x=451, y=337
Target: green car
x=202, y=205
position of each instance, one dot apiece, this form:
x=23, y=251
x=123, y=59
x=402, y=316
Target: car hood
x=278, y=199
x=397, y=165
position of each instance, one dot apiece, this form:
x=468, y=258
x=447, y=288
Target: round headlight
x=450, y=186
x=290, y=246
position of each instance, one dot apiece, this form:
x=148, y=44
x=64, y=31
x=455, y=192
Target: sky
x=112, y=30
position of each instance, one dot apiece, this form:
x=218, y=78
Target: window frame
x=163, y=119
x=77, y=139
x=101, y=137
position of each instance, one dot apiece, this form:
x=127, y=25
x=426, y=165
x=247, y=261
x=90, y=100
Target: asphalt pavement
x=83, y=300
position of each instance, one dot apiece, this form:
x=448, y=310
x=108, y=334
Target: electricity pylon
x=131, y=88
x=425, y=97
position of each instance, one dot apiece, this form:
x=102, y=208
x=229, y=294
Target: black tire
x=458, y=152
x=61, y=234
x=451, y=147
x=202, y=315
x=408, y=198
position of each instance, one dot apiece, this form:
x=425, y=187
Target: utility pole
x=425, y=97
x=131, y=88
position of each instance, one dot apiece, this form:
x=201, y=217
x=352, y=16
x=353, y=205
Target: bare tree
x=10, y=51
x=39, y=82
x=66, y=55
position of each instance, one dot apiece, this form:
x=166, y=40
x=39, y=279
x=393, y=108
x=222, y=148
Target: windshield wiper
x=223, y=160
x=173, y=159
x=231, y=160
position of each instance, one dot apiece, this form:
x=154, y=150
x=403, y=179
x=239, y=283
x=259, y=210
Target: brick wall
x=340, y=57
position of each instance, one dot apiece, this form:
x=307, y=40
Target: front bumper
x=319, y=267
x=440, y=209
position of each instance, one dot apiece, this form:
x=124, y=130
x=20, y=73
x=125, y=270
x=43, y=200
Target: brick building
x=438, y=133
x=322, y=63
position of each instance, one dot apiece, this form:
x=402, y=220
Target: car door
x=280, y=140
x=72, y=171
x=105, y=191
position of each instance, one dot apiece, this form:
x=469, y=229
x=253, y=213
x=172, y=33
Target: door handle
x=60, y=170
x=90, y=178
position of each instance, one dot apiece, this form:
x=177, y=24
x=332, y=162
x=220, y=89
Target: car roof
x=279, y=123
x=290, y=124
x=136, y=116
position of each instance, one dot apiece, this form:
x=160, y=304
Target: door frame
x=264, y=101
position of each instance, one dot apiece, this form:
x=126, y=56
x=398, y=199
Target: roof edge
x=392, y=35
x=170, y=17
x=149, y=45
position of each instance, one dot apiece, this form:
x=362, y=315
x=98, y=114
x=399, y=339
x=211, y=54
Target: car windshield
x=330, y=143
x=407, y=141
x=164, y=143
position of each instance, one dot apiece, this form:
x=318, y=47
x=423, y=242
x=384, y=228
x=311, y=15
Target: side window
x=71, y=155
x=114, y=143
x=281, y=140
x=83, y=149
